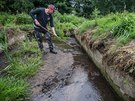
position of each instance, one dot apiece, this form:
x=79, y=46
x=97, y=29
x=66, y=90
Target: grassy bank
x=23, y=61
x=120, y=25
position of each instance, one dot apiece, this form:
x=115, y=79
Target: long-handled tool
x=56, y=36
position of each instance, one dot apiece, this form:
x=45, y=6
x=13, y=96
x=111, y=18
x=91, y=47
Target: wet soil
x=69, y=76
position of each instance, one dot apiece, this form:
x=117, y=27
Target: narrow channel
x=80, y=82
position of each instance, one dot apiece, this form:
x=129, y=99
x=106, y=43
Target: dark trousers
x=39, y=38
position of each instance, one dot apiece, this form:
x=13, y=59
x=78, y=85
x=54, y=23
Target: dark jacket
x=42, y=17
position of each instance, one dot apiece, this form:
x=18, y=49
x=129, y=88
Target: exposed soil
x=123, y=58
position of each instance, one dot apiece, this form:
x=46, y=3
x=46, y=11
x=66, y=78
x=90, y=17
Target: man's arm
x=52, y=25
x=33, y=14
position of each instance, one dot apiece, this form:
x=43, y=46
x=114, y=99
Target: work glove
x=54, y=33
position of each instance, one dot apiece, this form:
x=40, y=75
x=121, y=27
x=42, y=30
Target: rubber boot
x=53, y=52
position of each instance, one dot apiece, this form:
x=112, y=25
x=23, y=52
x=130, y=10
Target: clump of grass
x=86, y=25
x=125, y=30
x=26, y=47
x=24, y=69
x=12, y=89
x=6, y=18
x=105, y=24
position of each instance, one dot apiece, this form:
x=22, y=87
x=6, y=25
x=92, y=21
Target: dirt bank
x=117, y=67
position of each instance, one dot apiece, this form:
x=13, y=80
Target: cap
x=52, y=7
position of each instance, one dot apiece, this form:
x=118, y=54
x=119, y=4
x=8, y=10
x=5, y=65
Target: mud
x=69, y=76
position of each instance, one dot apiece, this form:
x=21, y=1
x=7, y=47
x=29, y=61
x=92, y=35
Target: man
x=41, y=17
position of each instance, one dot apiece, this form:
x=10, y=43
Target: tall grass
x=25, y=63
x=121, y=25
x=12, y=89
x=66, y=22
x=125, y=30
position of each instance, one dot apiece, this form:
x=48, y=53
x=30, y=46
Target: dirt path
x=53, y=63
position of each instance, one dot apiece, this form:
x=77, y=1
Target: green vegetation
x=66, y=22
x=23, y=62
x=12, y=88
x=125, y=30
x=86, y=7
x=16, y=6
x=26, y=60
x=121, y=25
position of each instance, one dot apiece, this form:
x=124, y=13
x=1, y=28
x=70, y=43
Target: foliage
x=121, y=26
x=86, y=7
x=24, y=69
x=4, y=44
x=13, y=86
x=19, y=6
x=95, y=15
x=66, y=22
x=25, y=62
x=106, y=24
x=22, y=19
x=2, y=40
x=86, y=25
x=22, y=6
x=11, y=89
x=63, y=7
x=6, y=18
x=125, y=30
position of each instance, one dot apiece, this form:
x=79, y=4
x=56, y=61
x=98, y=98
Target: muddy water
x=80, y=81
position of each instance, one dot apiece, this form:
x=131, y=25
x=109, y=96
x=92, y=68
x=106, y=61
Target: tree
x=84, y=8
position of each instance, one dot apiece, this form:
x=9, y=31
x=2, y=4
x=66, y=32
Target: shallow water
x=80, y=82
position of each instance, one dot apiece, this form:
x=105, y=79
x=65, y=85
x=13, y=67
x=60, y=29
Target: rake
x=56, y=36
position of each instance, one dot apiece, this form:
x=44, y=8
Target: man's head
x=51, y=9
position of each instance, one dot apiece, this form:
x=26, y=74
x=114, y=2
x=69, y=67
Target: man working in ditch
x=41, y=17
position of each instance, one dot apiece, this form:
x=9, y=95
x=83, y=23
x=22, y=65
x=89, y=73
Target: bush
x=125, y=30
x=6, y=18
x=23, y=19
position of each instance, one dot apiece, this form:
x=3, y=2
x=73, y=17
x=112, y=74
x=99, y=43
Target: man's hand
x=36, y=22
x=54, y=33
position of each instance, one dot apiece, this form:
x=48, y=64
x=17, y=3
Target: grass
x=66, y=22
x=24, y=69
x=86, y=25
x=12, y=89
x=26, y=60
x=122, y=26
x=25, y=63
